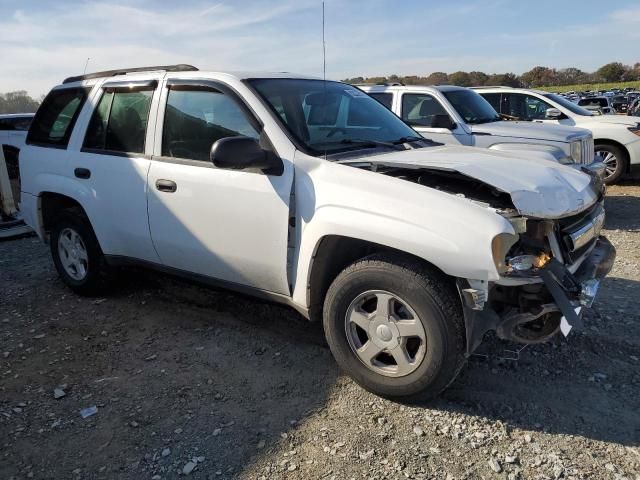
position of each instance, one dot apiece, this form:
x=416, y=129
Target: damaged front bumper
x=561, y=303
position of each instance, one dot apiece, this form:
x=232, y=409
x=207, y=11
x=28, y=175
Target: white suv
x=459, y=116
x=311, y=193
x=617, y=137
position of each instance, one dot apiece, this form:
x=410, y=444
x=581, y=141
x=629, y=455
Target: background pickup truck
x=459, y=116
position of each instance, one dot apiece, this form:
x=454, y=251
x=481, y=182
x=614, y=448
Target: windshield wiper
x=408, y=140
x=485, y=120
x=369, y=143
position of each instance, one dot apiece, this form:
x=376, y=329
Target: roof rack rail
x=493, y=86
x=123, y=71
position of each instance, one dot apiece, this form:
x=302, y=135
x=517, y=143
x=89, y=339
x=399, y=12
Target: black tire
x=98, y=274
x=433, y=299
x=622, y=162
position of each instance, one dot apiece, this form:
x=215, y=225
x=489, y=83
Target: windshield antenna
x=86, y=65
x=324, y=65
x=324, y=49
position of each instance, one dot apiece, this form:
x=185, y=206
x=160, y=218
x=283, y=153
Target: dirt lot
x=186, y=378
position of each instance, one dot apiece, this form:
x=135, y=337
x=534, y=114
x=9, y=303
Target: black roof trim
x=123, y=71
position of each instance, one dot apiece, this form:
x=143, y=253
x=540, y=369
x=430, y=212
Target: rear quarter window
x=53, y=123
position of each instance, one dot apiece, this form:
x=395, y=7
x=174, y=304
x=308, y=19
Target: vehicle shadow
x=170, y=366
x=583, y=385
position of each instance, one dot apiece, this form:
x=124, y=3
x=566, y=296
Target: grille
x=575, y=223
x=588, y=152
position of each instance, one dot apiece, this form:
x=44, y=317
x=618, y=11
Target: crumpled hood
x=534, y=131
x=542, y=189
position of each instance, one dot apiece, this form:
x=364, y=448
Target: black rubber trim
x=114, y=153
x=183, y=161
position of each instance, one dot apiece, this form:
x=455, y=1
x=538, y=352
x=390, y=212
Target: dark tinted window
x=21, y=123
x=196, y=118
x=119, y=123
x=421, y=109
x=54, y=121
x=593, y=102
x=384, y=98
x=493, y=99
x=15, y=123
x=471, y=106
x=524, y=107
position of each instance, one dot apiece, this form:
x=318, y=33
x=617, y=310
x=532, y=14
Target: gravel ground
x=189, y=381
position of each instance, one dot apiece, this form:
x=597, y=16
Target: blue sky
x=45, y=41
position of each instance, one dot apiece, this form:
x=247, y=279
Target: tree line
x=18, y=102
x=536, y=77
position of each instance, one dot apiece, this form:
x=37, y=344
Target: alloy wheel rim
x=610, y=161
x=385, y=333
x=73, y=254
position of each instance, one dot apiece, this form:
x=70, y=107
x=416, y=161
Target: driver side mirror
x=443, y=121
x=244, y=153
x=553, y=114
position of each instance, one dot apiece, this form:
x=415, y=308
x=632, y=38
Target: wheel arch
x=333, y=254
x=50, y=205
x=625, y=150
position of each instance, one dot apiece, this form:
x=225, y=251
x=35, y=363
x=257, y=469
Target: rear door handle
x=82, y=173
x=166, y=186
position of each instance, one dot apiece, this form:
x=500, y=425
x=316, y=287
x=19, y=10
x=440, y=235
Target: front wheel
x=395, y=327
x=614, y=159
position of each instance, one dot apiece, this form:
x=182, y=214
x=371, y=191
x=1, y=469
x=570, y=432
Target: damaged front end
x=549, y=273
x=549, y=268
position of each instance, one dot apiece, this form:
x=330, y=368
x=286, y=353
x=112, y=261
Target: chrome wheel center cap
x=384, y=333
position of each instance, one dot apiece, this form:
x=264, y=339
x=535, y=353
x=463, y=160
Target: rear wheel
x=614, y=159
x=77, y=255
x=395, y=327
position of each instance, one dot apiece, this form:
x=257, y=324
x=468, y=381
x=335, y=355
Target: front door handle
x=166, y=186
x=82, y=173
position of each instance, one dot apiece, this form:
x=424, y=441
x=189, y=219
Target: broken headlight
x=500, y=246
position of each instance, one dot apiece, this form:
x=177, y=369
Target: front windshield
x=332, y=117
x=569, y=105
x=471, y=106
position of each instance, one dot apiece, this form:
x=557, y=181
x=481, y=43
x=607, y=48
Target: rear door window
x=21, y=124
x=524, y=107
x=119, y=123
x=54, y=121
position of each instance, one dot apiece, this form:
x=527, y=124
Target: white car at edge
x=616, y=137
x=312, y=194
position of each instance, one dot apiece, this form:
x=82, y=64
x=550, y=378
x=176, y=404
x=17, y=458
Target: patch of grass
x=591, y=86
